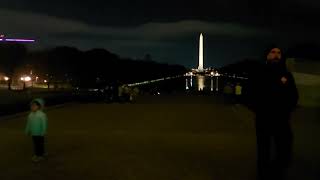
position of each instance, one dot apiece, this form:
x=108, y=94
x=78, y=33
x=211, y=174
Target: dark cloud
x=166, y=29
x=135, y=12
x=32, y=24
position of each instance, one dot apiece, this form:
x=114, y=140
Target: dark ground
x=159, y=138
x=12, y=102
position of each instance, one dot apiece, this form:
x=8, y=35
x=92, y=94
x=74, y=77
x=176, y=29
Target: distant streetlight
x=45, y=81
x=6, y=78
x=25, y=78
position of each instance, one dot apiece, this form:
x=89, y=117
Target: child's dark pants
x=38, y=145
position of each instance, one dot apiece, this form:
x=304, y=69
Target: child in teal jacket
x=37, y=128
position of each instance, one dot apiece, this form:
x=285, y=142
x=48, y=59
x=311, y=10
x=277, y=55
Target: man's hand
x=284, y=80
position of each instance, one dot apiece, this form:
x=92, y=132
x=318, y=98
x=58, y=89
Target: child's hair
x=36, y=103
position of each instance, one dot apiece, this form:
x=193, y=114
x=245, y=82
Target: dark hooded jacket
x=271, y=90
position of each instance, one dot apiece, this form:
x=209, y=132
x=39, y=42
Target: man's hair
x=272, y=46
x=269, y=48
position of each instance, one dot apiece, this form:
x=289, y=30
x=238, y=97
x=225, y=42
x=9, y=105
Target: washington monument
x=200, y=67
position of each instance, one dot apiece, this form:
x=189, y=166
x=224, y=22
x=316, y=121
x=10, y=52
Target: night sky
x=168, y=30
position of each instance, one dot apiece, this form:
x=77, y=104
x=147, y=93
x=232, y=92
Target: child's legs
x=38, y=143
x=41, y=145
x=35, y=145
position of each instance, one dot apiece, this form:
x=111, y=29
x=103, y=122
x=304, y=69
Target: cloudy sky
x=168, y=30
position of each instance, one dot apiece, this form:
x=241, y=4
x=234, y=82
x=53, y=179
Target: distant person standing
x=36, y=128
x=238, y=92
x=126, y=93
x=120, y=92
x=134, y=94
x=272, y=95
x=228, y=89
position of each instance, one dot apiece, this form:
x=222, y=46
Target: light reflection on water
x=203, y=83
x=189, y=84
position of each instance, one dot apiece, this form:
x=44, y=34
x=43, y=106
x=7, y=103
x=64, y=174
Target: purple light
x=18, y=40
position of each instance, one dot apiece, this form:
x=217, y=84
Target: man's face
x=274, y=55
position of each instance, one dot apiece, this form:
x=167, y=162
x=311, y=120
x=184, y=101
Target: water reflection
x=199, y=84
x=201, y=80
x=217, y=83
x=203, y=83
x=187, y=84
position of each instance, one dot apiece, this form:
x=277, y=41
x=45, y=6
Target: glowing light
x=217, y=83
x=201, y=80
x=200, y=67
x=45, y=81
x=187, y=87
x=17, y=40
x=189, y=74
x=6, y=78
x=25, y=78
x=93, y=90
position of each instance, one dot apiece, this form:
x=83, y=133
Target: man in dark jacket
x=272, y=95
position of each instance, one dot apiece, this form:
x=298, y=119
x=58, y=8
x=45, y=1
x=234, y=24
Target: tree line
x=81, y=68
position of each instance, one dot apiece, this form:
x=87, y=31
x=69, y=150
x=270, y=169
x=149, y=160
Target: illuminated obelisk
x=200, y=67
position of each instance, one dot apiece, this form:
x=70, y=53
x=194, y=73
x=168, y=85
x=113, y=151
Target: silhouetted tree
x=11, y=55
x=91, y=67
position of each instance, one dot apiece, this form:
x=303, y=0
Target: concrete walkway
x=159, y=138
